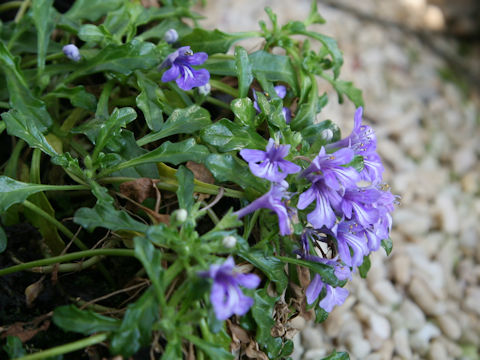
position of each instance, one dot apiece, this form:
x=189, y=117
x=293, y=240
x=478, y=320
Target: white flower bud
x=171, y=36
x=72, y=52
x=327, y=134
x=205, y=89
x=181, y=215
x=229, y=241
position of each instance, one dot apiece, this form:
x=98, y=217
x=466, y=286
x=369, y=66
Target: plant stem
x=55, y=222
x=67, y=348
x=217, y=102
x=10, y=5
x=21, y=11
x=224, y=87
x=4, y=105
x=67, y=257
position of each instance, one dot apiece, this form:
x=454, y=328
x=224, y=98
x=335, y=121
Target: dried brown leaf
x=253, y=352
x=33, y=290
x=25, y=331
x=139, y=189
x=303, y=276
x=200, y=172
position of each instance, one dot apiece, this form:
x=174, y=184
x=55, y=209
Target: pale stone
x=401, y=269
x=424, y=298
x=449, y=326
x=402, y=345
x=420, y=339
x=386, y=293
x=446, y=210
x=358, y=346
x=412, y=315
x=314, y=354
x=438, y=351
x=472, y=299
x=411, y=222
x=312, y=338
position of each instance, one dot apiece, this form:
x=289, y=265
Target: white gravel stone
x=472, y=299
x=438, y=351
x=315, y=354
x=420, y=339
x=402, y=344
x=424, y=298
x=386, y=293
x=401, y=268
x=450, y=326
x=358, y=346
x=312, y=338
x=412, y=315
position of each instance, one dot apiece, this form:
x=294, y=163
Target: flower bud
x=205, y=89
x=327, y=134
x=72, y=52
x=229, y=241
x=171, y=36
x=181, y=215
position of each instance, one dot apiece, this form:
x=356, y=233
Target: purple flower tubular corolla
x=281, y=92
x=226, y=296
x=181, y=70
x=273, y=200
x=334, y=295
x=357, y=203
x=351, y=243
x=72, y=52
x=326, y=199
x=269, y=164
x=331, y=168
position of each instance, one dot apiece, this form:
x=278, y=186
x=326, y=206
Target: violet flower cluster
x=353, y=207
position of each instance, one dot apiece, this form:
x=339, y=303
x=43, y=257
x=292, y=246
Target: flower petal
x=171, y=74
x=314, y=289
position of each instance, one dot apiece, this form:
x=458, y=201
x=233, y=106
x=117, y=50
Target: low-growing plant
x=211, y=210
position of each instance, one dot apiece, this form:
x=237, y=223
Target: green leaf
x=325, y=271
x=14, y=347
x=151, y=258
x=15, y=192
x=148, y=101
x=21, y=98
x=174, y=153
x=274, y=68
x=307, y=111
x=244, y=111
x=185, y=188
x=226, y=167
x=21, y=126
x=92, y=10
x=77, y=95
x=93, y=34
x=71, y=318
x=337, y=356
x=387, y=244
x=314, y=17
x=347, y=88
x=182, y=121
x=227, y=136
x=106, y=216
x=363, y=269
x=136, y=328
x=43, y=16
x=111, y=128
x=211, y=350
x=272, y=267
x=123, y=59
x=3, y=240
x=211, y=42
x=331, y=46
x=244, y=71
x=320, y=314
x=315, y=134
x=356, y=163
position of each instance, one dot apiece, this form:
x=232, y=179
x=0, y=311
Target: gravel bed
x=423, y=302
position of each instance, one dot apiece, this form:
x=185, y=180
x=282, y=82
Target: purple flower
x=181, y=70
x=372, y=168
x=325, y=198
x=361, y=140
x=226, y=297
x=331, y=168
x=272, y=200
x=357, y=203
x=351, y=243
x=334, y=295
x=270, y=164
x=170, y=36
x=281, y=92
x=72, y=52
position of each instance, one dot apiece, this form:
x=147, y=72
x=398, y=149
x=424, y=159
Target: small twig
x=215, y=201
x=113, y=294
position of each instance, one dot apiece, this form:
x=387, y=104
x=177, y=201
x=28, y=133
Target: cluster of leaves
x=106, y=128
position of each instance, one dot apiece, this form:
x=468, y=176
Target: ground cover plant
x=161, y=197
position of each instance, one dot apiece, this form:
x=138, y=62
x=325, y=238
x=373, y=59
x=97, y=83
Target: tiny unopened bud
x=205, y=89
x=229, y=241
x=72, y=52
x=171, y=36
x=181, y=215
x=327, y=134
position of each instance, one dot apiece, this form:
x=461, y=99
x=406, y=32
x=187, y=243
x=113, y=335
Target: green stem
x=250, y=225
x=21, y=11
x=224, y=87
x=4, y=105
x=217, y=102
x=2, y=126
x=172, y=272
x=67, y=257
x=10, y=5
x=68, y=267
x=67, y=348
x=75, y=116
x=55, y=56
x=55, y=222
